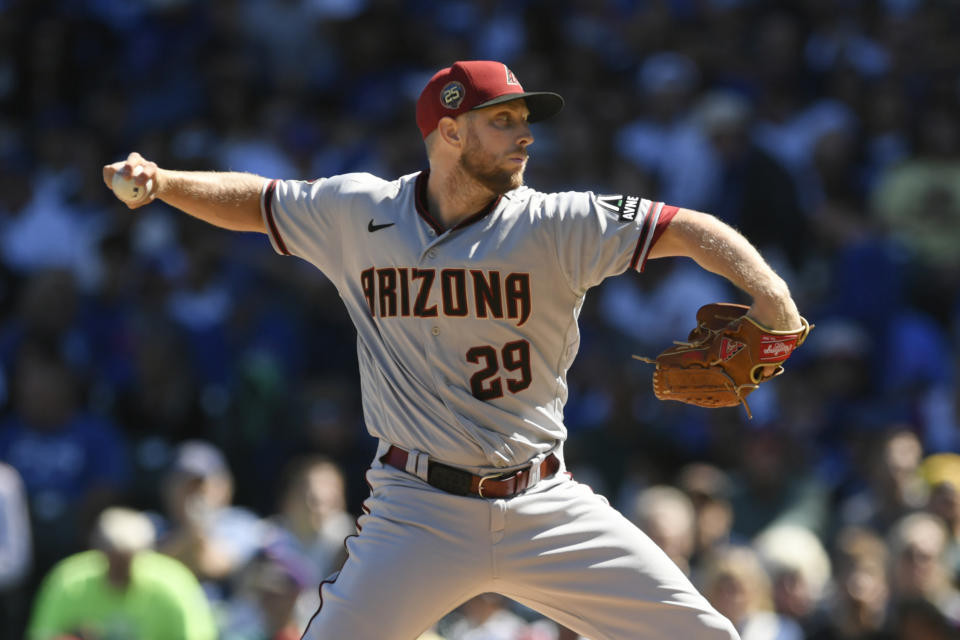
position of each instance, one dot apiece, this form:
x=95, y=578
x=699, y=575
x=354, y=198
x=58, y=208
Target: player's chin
x=515, y=173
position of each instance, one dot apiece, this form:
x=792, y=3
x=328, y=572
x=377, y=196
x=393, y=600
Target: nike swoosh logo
x=376, y=227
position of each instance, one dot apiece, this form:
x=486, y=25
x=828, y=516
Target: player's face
x=495, y=149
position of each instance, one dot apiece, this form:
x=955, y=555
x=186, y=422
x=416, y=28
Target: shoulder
x=157, y=568
x=352, y=186
x=78, y=568
x=9, y=478
x=548, y=205
x=360, y=182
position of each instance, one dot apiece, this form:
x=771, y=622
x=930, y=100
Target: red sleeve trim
x=654, y=224
x=271, y=222
x=642, y=238
x=665, y=217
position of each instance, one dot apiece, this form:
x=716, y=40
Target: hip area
x=393, y=465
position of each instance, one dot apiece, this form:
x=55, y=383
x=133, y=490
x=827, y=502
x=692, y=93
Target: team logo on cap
x=511, y=79
x=452, y=95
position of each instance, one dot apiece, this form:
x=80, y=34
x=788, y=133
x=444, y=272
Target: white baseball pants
x=558, y=548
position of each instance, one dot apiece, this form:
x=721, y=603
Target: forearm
x=227, y=200
x=719, y=248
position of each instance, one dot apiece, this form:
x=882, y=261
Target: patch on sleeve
x=626, y=207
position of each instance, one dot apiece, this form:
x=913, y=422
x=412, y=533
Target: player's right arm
x=229, y=200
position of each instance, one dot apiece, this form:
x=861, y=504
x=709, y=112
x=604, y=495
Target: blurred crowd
x=179, y=407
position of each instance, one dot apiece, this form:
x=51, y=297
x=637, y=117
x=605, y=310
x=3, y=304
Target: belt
x=464, y=483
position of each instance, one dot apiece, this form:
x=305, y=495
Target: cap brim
x=542, y=104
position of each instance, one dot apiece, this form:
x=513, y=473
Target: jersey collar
x=420, y=198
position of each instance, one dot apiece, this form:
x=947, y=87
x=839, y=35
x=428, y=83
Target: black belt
x=464, y=483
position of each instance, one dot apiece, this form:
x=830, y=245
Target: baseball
x=128, y=190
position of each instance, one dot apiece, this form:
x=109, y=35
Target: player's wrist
x=161, y=182
x=778, y=311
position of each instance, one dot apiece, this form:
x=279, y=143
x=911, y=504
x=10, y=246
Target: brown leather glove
x=726, y=356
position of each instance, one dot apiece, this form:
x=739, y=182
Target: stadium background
x=828, y=131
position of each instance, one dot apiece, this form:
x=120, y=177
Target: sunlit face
x=495, y=145
x=323, y=492
x=918, y=569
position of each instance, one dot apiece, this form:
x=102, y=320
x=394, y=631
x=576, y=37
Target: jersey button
x=435, y=331
x=431, y=254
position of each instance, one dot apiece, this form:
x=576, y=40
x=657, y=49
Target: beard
x=481, y=165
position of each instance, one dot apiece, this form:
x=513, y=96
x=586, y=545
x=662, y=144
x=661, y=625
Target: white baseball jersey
x=465, y=335
x=464, y=338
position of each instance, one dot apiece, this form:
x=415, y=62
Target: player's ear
x=449, y=131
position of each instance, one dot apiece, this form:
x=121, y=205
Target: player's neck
x=453, y=196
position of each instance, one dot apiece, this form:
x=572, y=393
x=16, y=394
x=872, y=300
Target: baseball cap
x=123, y=530
x=475, y=84
x=199, y=458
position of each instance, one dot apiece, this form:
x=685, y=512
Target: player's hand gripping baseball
x=135, y=181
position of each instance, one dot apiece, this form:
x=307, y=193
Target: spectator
x=202, y=528
x=708, y=488
x=160, y=408
x=799, y=568
x=735, y=582
x=51, y=231
x=919, y=199
x=919, y=619
x=72, y=462
x=312, y=524
x=16, y=552
x=773, y=485
x=858, y=607
x=264, y=599
x=46, y=313
x=895, y=487
x=120, y=588
x=942, y=473
x=754, y=192
x=667, y=82
x=918, y=544
x=666, y=515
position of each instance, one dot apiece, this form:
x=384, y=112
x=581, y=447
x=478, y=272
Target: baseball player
x=465, y=287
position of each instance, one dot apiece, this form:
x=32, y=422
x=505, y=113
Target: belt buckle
x=492, y=476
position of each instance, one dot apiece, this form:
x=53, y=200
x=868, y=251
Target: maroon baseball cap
x=474, y=84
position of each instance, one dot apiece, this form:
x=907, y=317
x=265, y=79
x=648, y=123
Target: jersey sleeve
x=303, y=218
x=604, y=235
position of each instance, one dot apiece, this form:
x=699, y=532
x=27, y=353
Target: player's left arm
x=721, y=249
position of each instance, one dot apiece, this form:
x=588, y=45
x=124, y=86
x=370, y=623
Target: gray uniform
x=464, y=340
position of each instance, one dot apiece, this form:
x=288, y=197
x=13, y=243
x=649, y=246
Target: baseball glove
x=726, y=357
